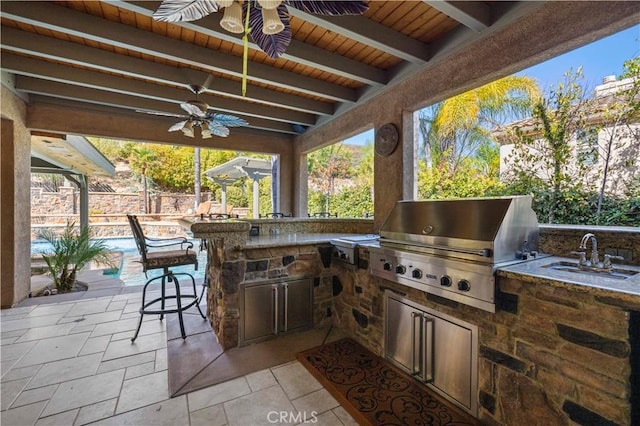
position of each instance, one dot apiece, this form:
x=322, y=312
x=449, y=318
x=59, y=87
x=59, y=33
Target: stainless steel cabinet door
x=402, y=336
x=259, y=311
x=296, y=305
x=452, y=360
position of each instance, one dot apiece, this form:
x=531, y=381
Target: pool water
x=130, y=271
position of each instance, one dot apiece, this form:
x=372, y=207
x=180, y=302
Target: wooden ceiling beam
x=77, y=119
x=72, y=22
x=45, y=70
x=133, y=103
x=367, y=31
x=64, y=51
x=472, y=14
x=297, y=51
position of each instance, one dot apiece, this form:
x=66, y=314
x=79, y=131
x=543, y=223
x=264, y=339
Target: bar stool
x=164, y=260
x=151, y=307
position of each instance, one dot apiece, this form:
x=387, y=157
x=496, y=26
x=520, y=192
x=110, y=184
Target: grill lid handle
x=485, y=252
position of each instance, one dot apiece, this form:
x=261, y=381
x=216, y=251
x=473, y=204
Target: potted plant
x=71, y=250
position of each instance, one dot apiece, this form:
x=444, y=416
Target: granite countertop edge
x=534, y=272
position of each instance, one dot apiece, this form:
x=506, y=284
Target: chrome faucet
x=594, y=259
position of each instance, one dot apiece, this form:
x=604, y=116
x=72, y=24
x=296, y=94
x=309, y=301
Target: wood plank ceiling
x=113, y=54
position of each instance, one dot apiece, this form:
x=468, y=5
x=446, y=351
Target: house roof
x=608, y=96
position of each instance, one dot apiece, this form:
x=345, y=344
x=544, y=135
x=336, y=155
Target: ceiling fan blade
x=218, y=130
x=226, y=120
x=164, y=114
x=207, y=82
x=334, y=8
x=193, y=109
x=273, y=45
x=178, y=126
x=184, y=10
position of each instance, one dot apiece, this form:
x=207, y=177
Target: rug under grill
x=374, y=391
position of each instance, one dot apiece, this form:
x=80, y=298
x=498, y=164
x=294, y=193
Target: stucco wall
x=15, y=175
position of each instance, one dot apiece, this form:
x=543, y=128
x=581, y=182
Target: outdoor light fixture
x=187, y=129
x=232, y=19
x=205, y=130
x=271, y=23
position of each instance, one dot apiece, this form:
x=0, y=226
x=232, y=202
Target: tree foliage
x=324, y=167
x=564, y=156
x=454, y=129
x=341, y=180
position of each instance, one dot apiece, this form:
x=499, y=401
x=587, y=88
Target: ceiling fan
x=268, y=21
x=210, y=123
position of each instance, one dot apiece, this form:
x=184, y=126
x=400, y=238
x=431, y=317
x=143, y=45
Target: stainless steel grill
x=452, y=248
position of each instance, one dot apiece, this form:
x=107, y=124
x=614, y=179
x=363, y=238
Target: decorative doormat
x=375, y=392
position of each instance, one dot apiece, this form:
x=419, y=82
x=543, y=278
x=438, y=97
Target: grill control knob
x=386, y=266
x=463, y=285
x=401, y=269
x=445, y=281
x=417, y=273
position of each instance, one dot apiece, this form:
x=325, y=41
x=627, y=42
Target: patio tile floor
x=68, y=360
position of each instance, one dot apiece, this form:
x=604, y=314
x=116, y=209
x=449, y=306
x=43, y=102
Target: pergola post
x=256, y=198
x=81, y=182
x=223, y=197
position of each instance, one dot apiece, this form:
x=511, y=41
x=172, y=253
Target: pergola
x=240, y=168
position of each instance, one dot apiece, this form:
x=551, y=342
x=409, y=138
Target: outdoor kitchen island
x=560, y=348
x=555, y=351
x=268, y=277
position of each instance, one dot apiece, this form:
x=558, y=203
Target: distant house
x=624, y=163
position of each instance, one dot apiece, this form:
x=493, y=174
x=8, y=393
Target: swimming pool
x=130, y=271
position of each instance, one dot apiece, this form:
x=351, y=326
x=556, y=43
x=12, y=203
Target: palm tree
x=70, y=252
x=454, y=129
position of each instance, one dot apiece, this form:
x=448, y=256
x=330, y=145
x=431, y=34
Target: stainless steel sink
x=617, y=273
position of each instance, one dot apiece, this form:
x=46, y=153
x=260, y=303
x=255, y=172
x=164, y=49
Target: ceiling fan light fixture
x=232, y=19
x=271, y=23
x=205, y=131
x=224, y=3
x=187, y=129
x=269, y=4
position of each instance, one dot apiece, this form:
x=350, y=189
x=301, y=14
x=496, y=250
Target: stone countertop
x=534, y=271
x=238, y=229
x=197, y=225
x=281, y=240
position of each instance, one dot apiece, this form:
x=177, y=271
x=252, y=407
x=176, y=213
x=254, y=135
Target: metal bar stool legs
x=150, y=307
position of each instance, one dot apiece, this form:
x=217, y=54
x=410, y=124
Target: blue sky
x=598, y=59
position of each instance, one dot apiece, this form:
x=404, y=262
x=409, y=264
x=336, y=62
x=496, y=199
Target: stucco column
x=15, y=217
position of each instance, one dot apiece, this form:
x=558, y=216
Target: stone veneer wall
x=160, y=229
x=552, y=353
x=67, y=200
x=227, y=270
x=561, y=240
